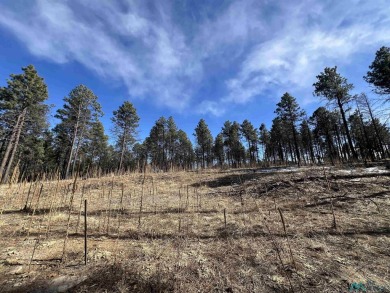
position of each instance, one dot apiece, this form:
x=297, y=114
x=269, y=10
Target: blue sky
x=217, y=60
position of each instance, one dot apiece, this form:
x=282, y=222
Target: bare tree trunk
x=73, y=143
x=296, y=145
x=375, y=127
x=77, y=148
x=354, y=154
x=9, y=147
x=163, y=150
x=122, y=151
x=12, y=145
x=15, y=146
x=71, y=151
x=330, y=146
x=311, y=147
x=363, y=131
x=341, y=155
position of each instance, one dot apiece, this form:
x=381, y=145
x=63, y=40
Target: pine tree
x=184, y=154
x=156, y=144
x=324, y=133
x=78, y=114
x=32, y=150
x=168, y=147
x=204, y=141
x=126, y=122
x=171, y=141
x=21, y=101
x=335, y=89
x=379, y=73
x=365, y=107
x=278, y=139
x=264, y=139
x=360, y=136
x=290, y=113
x=234, y=149
x=95, y=149
x=140, y=155
x=49, y=161
x=251, y=137
x=307, y=140
x=218, y=150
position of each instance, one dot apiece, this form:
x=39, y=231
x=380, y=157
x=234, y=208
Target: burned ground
x=286, y=230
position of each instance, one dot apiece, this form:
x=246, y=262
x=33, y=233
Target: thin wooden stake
x=122, y=197
x=28, y=197
x=334, y=217
x=224, y=216
x=140, y=207
x=85, y=232
x=179, y=211
x=188, y=201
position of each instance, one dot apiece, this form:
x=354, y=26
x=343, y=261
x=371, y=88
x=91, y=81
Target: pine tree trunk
x=122, y=152
x=250, y=154
x=296, y=145
x=340, y=152
x=376, y=129
x=10, y=145
x=281, y=155
x=330, y=146
x=363, y=130
x=14, y=145
x=3, y=143
x=163, y=150
x=311, y=146
x=354, y=154
x=71, y=150
x=291, y=152
x=76, y=153
x=203, y=158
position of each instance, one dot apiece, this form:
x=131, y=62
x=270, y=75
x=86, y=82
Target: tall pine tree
x=126, y=122
x=336, y=89
x=204, y=141
x=290, y=113
x=21, y=104
x=80, y=111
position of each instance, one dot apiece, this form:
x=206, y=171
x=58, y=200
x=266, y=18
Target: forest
x=348, y=128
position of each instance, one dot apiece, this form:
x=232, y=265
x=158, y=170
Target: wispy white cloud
x=254, y=47
x=314, y=36
x=231, y=31
x=113, y=42
x=213, y=107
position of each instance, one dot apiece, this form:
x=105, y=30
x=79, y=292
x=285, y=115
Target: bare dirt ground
x=286, y=230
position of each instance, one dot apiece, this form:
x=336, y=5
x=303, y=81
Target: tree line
x=348, y=130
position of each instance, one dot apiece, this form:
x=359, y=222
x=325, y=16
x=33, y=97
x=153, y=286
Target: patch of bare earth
x=301, y=230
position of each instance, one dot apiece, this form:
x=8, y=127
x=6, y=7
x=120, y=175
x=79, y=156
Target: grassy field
x=276, y=230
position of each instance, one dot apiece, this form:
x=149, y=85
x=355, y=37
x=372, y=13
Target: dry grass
x=176, y=241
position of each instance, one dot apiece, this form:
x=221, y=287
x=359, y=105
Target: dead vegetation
x=304, y=230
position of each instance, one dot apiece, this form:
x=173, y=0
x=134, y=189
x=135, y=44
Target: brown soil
x=335, y=232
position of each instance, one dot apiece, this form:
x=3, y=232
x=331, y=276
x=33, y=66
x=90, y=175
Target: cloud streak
x=314, y=36
x=127, y=46
x=254, y=47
